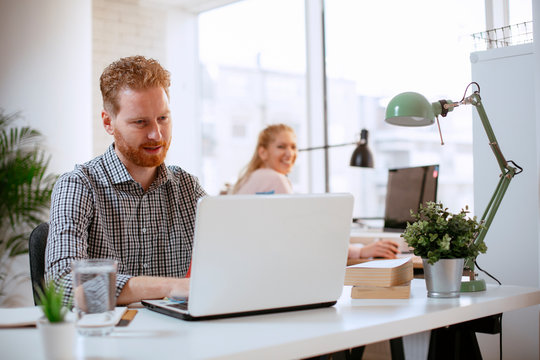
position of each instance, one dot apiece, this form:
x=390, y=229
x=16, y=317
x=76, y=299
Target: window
x=253, y=71
x=253, y=63
x=372, y=55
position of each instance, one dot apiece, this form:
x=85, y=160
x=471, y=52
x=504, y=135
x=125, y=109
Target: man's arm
x=150, y=287
x=71, y=209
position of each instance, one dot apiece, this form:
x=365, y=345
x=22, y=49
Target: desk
x=350, y=323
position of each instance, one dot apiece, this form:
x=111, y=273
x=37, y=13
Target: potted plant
x=25, y=190
x=443, y=240
x=57, y=332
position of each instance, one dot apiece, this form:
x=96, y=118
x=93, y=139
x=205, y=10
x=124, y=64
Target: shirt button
x=144, y=230
x=145, y=265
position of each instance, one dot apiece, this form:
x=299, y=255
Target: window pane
x=378, y=49
x=253, y=67
x=520, y=11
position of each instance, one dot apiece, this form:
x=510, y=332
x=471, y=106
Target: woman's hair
x=266, y=136
x=134, y=72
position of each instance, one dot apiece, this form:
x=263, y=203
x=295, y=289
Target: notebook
x=257, y=254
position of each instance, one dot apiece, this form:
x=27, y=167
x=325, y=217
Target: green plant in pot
x=25, y=190
x=50, y=299
x=443, y=240
x=57, y=331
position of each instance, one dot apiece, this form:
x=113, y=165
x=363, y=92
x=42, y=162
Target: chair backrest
x=36, y=252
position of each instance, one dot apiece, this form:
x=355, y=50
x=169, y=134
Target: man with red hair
x=126, y=204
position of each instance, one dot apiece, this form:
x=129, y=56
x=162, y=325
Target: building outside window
x=253, y=67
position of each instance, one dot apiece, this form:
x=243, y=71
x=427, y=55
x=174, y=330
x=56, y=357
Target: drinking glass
x=94, y=287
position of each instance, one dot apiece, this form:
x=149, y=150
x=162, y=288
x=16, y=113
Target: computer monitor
x=406, y=189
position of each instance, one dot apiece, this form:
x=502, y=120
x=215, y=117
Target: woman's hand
x=384, y=248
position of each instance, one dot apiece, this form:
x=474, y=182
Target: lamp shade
x=410, y=109
x=362, y=156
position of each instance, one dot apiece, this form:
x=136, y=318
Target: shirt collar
x=117, y=170
x=163, y=175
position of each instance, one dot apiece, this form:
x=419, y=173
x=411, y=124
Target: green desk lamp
x=413, y=109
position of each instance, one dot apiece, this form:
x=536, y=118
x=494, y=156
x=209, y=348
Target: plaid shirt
x=99, y=211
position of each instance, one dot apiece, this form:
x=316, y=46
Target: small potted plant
x=57, y=331
x=443, y=240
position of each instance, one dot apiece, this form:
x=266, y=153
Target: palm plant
x=25, y=188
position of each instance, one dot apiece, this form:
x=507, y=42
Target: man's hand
x=149, y=287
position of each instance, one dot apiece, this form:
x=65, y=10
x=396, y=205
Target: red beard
x=138, y=155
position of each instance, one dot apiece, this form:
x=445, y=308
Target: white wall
x=536, y=35
x=508, y=93
x=45, y=73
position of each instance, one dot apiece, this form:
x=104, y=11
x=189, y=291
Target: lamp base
x=473, y=285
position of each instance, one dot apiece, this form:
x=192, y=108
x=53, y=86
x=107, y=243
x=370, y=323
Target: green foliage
x=438, y=234
x=25, y=188
x=51, y=302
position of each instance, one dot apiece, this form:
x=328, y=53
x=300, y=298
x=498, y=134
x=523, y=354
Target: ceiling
x=193, y=6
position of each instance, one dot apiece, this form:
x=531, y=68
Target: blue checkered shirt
x=99, y=211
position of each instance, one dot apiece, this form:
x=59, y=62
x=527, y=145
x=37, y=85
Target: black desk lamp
x=361, y=157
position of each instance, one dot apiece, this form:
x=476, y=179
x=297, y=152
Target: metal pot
x=443, y=279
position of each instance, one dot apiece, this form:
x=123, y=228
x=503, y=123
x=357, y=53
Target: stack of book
x=380, y=279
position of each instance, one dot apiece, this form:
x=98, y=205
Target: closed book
x=402, y=291
x=382, y=273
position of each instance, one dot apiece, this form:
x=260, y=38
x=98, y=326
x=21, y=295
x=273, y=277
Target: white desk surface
x=349, y=323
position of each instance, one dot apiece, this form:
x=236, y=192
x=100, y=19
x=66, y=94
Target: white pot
x=58, y=339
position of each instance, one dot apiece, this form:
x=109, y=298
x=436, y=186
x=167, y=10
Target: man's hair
x=134, y=72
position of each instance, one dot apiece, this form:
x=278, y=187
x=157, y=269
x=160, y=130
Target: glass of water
x=94, y=289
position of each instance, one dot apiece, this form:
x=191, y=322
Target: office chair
x=36, y=252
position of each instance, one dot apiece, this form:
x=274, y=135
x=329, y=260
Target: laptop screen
x=406, y=189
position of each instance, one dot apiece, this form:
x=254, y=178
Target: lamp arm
x=476, y=101
x=327, y=146
x=507, y=172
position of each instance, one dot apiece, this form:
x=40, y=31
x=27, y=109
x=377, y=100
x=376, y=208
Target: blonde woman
x=272, y=160
x=266, y=173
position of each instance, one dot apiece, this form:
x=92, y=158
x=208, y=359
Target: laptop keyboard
x=180, y=305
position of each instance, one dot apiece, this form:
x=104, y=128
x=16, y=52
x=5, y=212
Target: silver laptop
x=265, y=253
